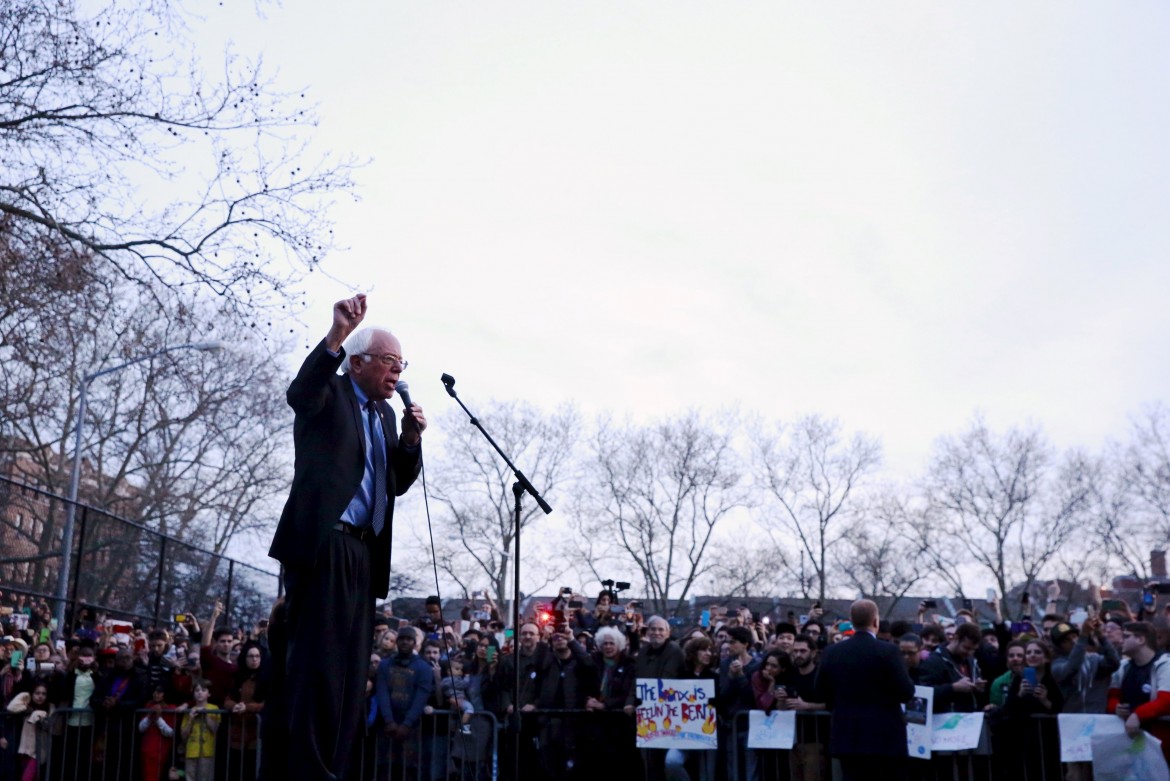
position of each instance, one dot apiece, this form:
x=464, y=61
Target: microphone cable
x=446, y=640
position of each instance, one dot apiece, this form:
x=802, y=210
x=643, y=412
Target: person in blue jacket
x=403, y=686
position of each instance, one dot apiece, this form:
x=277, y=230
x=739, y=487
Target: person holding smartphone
x=1032, y=691
x=1083, y=663
x=953, y=671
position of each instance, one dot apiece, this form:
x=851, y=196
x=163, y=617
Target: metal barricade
x=146, y=744
x=809, y=759
x=23, y=742
x=555, y=744
x=439, y=748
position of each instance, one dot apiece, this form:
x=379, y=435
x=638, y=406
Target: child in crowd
x=457, y=691
x=199, y=727
x=157, y=728
x=33, y=748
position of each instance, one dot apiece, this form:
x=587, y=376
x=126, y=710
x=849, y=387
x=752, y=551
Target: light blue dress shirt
x=362, y=505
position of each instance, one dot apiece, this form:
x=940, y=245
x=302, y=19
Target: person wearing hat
x=10, y=676
x=1084, y=661
x=783, y=636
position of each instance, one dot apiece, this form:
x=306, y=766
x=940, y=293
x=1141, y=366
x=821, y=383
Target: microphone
x=403, y=391
x=449, y=384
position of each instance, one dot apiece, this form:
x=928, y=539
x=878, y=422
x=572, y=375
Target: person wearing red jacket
x=1140, y=690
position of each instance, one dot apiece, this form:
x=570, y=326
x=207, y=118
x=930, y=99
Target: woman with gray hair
x=615, y=669
x=613, y=728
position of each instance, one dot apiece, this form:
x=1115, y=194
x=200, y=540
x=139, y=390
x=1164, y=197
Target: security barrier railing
x=438, y=747
x=119, y=566
x=147, y=744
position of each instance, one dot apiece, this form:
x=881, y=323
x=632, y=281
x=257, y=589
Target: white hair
x=611, y=633
x=359, y=342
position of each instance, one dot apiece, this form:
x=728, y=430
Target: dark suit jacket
x=863, y=682
x=330, y=459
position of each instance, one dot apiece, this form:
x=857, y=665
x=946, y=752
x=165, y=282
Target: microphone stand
x=519, y=488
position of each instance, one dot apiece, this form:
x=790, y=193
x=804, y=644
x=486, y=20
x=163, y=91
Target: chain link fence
x=120, y=567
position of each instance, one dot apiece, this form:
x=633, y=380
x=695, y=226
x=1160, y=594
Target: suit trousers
x=331, y=619
x=866, y=767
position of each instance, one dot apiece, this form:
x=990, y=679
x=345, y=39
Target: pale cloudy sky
x=894, y=213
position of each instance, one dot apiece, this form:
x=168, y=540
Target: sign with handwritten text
x=676, y=713
x=956, y=731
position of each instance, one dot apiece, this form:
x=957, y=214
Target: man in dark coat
x=863, y=682
x=658, y=657
x=334, y=534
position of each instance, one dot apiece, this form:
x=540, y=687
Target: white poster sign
x=1077, y=731
x=918, y=718
x=772, y=730
x=956, y=731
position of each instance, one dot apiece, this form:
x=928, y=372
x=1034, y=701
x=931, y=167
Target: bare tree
x=1132, y=492
x=1005, y=500
x=749, y=573
x=811, y=474
x=656, y=496
x=97, y=107
x=881, y=555
x=1147, y=461
x=942, y=554
x=475, y=533
x=188, y=444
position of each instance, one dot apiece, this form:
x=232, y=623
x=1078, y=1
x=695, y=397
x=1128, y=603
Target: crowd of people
x=192, y=700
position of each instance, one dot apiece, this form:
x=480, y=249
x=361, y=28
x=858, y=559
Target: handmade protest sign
x=772, y=730
x=956, y=731
x=676, y=713
x=918, y=717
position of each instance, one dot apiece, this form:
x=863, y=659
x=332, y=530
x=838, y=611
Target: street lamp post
x=75, y=476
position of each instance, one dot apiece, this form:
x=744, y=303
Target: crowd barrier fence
x=81, y=745
x=119, y=566
x=438, y=748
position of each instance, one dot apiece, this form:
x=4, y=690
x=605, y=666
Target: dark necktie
x=379, y=518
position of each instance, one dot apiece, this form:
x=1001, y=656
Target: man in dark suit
x=334, y=534
x=863, y=682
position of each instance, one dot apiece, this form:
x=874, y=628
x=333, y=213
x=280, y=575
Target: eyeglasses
x=389, y=360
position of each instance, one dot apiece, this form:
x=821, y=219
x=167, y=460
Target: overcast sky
x=895, y=214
